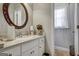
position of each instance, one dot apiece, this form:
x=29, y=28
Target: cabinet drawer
x=14, y=50
x=41, y=50
x=36, y=42
x=42, y=43
x=32, y=52
x=35, y=51
x=27, y=46
x=41, y=40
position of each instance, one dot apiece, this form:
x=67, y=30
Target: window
x=61, y=18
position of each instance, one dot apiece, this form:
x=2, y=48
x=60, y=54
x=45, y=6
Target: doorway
x=64, y=28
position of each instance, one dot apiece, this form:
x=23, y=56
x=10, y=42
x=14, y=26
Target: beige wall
x=42, y=15
x=3, y=24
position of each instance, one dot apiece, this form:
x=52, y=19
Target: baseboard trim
x=61, y=48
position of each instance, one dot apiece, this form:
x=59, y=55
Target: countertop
x=19, y=40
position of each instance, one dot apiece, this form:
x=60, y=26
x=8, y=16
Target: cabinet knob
x=39, y=47
x=31, y=52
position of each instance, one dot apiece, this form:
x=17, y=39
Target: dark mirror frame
x=8, y=19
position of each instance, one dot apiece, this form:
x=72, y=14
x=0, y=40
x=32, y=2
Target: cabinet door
x=41, y=51
x=36, y=42
x=27, y=46
x=14, y=50
x=35, y=51
x=32, y=52
x=26, y=53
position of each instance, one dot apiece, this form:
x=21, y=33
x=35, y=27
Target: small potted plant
x=39, y=29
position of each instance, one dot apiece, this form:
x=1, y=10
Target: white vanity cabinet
x=31, y=52
x=27, y=46
x=41, y=46
x=30, y=48
x=33, y=47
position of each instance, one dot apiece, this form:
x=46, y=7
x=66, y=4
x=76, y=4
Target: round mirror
x=15, y=14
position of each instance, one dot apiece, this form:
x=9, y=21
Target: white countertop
x=19, y=40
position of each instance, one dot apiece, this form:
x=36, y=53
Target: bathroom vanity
x=17, y=17
x=25, y=46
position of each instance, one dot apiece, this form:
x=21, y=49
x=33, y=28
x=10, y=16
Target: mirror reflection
x=17, y=14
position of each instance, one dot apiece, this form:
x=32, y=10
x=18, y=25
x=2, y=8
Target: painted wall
x=3, y=24
x=42, y=15
x=65, y=37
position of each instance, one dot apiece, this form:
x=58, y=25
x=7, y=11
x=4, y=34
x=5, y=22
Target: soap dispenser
x=31, y=30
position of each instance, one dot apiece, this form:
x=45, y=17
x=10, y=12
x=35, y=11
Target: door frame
x=75, y=30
